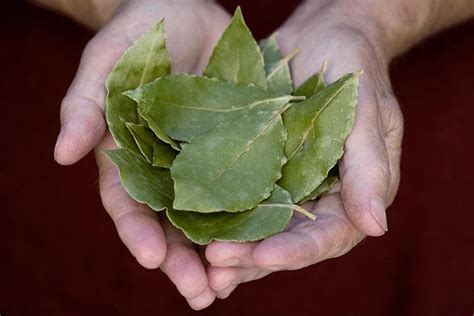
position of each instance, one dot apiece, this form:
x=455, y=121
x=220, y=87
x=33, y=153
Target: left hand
x=369, y=170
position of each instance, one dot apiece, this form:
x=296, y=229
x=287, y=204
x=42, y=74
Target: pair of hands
x=369, y=170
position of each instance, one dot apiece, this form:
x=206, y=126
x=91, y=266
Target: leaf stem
x=293, y=206
x=304, y=212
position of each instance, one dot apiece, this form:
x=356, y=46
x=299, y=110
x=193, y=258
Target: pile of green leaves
x=228, y=155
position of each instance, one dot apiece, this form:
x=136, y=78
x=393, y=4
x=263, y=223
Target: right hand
x=192, y=29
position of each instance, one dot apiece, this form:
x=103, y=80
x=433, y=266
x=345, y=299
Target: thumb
x=82, y=109
x=365, y=173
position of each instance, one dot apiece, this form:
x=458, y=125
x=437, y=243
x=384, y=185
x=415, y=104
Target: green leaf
x=143, y=182
x=317, y=129
x=144, y=138
x=268, y=218
x=233, y=167
x=237, y=57
x=270, y=50
x=313, y=84
x=187, y=106
x=324, y=187
x=144, y=61
x=277, y=69
x=279, y=77
x=163, y=155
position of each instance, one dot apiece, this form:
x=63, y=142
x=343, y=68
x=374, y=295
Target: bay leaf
x=324, y=187
x=277, y=68
x=187, y=106
x=237, y=57
x=163, y=155
x=278, y=77
x=270, y=50
x=143, y=182
x=313, y=84
x=142, y=62
x=269, y=217
x=317, y=129
x=233, y=167
x=144, y=138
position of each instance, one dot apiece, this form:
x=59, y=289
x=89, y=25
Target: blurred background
x=60, y=254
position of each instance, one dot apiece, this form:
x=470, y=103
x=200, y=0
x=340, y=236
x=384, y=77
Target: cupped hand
x=369, y=169
x=192, y=28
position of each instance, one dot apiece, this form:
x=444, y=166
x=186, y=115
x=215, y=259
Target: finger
x=227, y=254
x=365, y=170
x=224, y=280
x=185, y=269
x=393, y=127
x=225, y=293
x=136, y=224
x=307, y=243
x=82, y=118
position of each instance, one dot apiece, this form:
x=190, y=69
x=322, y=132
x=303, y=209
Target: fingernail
x=377, y=211
x=59, y=140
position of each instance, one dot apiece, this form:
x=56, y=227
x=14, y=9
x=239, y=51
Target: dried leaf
x=270, y=50
x=144, y=138
x=144, y=61
x=187, y=106
x=233, y=167
x=277, y=69
x=143, y=182
x=313, y=84
x=237, y=57
x=317, y=129
x=324, y=187
x=268, y=218
x=163, y=155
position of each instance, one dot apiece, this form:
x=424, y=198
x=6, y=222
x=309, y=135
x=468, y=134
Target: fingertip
x=225, y=293
x=203, y=300
x=226, y=254
x=221, y=278
x=378, y=213
x=79, y=134
x=369, y=217
x=151, y=257
x=143, y=236
x=362, y=192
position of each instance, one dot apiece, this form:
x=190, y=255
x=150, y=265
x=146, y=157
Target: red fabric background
x=60, y=254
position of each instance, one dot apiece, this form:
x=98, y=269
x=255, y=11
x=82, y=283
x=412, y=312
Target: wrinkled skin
x=354, y=208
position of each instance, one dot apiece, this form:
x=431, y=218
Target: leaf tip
x=135, y=94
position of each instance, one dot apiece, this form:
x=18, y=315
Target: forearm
x=91, y=13
x=406, y=22
x=395, y=25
